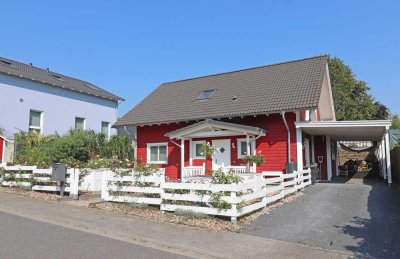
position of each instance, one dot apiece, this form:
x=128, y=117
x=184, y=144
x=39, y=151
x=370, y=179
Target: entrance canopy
x=212, y=128
x=347, y=130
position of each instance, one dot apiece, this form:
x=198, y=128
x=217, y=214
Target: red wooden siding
x=320, y=150
x=273, y=146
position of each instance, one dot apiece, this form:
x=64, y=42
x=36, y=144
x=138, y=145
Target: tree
x=351, y=98
x=382, y=112
x=395, y=122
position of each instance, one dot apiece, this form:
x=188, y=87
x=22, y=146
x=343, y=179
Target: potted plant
x=207, y=150
x=255, y=159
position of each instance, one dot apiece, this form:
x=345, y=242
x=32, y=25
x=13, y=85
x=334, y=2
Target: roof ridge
x=45, y=70
x=36, y=73
x=245, y=69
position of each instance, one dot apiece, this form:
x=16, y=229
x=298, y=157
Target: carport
x=319, y=140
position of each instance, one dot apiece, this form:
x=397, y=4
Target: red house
x=284, y=112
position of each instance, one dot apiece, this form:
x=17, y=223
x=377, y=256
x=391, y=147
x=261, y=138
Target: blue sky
x=130, y=47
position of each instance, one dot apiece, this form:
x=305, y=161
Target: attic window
x=57, y=77
x=92, y=86
x=205, y=95
x=7, y=64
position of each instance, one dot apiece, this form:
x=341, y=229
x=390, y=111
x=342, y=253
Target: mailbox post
x=58, y=173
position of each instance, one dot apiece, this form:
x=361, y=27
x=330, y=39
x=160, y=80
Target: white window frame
x=84, y=122
x=239, y=146
x=193, y=149
x=41, y=121
x=149, y=145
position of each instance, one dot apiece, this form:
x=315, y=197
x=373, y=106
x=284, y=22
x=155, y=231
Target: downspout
x=288, y=130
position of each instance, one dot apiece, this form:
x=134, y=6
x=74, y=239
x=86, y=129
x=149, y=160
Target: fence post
x=74, y=184
x=162, y=192
x=104, y=186
x=234, y=206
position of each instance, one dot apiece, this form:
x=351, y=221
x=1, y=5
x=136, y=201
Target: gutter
x=289, y=137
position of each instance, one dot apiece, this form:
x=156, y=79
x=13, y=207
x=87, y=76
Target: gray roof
x=15, y=68
x=288, y=86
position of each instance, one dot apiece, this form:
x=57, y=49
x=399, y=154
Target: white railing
x=240, y=169
x=39, y=179
x=193, y=171
x=200, y=196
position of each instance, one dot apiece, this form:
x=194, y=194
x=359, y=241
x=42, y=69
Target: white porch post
x=299, y=146
x=312, y=150
x=190, y=152
x=254, y=152
x=388, y=162
x=383, y=150
x=182, y=155
x=248, y=152
x=337, y=158
x=328, y=157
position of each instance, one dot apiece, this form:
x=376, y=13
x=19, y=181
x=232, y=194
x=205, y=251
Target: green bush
x=74, y=148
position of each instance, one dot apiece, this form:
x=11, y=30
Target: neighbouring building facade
x=283, y=112
x=43, y=101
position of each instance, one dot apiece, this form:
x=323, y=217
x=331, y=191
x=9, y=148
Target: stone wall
x=345, y=155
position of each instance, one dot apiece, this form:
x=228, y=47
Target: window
x=157, y=153
x=35, y=121
x=196, y=149
x=80, y=123
x=57, y=77
x=205, y=95
x=105, y=128
x=242, y=147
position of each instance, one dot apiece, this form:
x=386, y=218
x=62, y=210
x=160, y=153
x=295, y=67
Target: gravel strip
x=212, y=223
x=31, y=194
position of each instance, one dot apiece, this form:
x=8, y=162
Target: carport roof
x=371, y=130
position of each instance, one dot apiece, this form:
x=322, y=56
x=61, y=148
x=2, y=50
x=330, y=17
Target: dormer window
x=57, y=77
x=7, y=64
x=205, y=95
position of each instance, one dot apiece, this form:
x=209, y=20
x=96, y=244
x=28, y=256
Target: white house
x=40, y=100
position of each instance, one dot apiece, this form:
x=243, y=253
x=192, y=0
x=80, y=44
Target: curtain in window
x=199, y=150
x=34, y=119
x=79, y=123
x=104, y=128
x=154, y=153
x=243, y=148
x=163, y=153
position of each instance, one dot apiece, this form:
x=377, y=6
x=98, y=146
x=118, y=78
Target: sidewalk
x=170, y=237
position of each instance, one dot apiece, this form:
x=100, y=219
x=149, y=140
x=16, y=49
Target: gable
x=325, y=106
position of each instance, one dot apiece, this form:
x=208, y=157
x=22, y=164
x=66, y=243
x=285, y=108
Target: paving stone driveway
x=361, y=216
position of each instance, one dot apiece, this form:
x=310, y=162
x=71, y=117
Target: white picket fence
x=254, y=192
x=39, y=179
x=144, y=189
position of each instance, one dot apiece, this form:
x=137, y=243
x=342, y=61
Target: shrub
x=74, y=148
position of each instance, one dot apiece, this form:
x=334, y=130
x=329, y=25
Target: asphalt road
x=26, y=238
x=361, y=217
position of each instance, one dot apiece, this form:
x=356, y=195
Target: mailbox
x=58, y=172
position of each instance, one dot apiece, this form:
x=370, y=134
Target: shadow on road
x=379, y=235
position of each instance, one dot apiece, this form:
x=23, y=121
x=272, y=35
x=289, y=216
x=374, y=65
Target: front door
x=222, y=153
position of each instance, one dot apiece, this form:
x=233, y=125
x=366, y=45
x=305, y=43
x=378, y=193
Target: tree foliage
x=395, y=122
x=351, y=98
